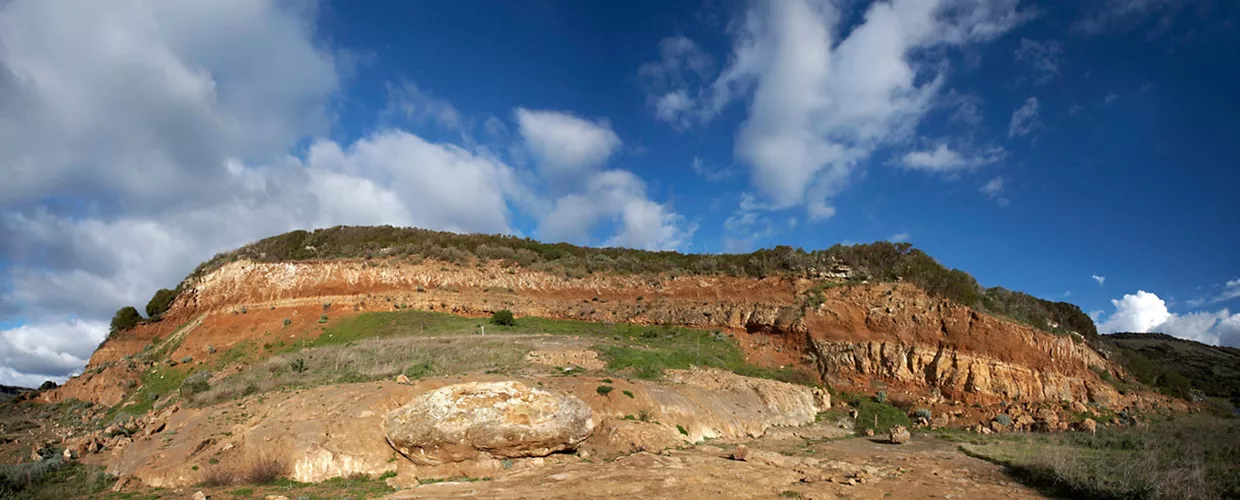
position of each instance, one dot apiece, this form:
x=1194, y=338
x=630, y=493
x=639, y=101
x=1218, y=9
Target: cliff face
x=890, y=333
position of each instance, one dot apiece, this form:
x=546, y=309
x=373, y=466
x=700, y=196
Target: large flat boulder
x=487, y=419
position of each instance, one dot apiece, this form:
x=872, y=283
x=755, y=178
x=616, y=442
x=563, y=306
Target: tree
x=160, y=302
x=503, y=318
x=126, y=317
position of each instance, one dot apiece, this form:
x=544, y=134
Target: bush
x=287, y=321
x=1004, y=420
x=47, y=385
x=298, y=365
x=503, y=317
x=322, y=319
x=881, y=397
x=923, y=413
x=125, y=318
x=196, y=384
x=604, y=389
x=160, y=303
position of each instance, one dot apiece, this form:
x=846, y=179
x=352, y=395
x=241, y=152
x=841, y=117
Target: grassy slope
x=1195, y=456
x=1215, y=371
x=378, y=345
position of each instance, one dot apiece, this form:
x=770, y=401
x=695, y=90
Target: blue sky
x=1038, y=146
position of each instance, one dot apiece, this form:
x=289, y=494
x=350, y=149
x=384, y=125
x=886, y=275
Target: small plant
x=503, y=317
x=923, y=413
x=644, y=415
x=187, y=359
x=298, y=365
x=681, y=429
x=322, y=319
x=604, y=389
x=789, y=494
x=287, y=321
x=881, y=397
x=607, y=381
x=627, y=393
x=1004, y=420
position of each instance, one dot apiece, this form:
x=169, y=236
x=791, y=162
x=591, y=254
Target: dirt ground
x=860, y=468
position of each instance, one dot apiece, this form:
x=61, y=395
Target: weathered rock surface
x=899, y=435
x=489, y=419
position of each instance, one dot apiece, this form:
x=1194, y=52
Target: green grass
x=454, y=479
x=871, y=414
x=52, y=479
x=1192, y=456
x=159, y=380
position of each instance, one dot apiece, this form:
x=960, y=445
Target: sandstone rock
x=487, y=419
x=199, y=495
x=69, y=454
x=899, y=435
x=402, y=379
x=275, y=497
x=869, y=432
x=624, y=436
x=1088, y=425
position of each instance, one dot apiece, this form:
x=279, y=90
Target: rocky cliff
x=850, y=333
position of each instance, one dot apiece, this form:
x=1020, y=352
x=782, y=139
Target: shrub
x=627, y=393
x=160, y=302
x=47, y=384
x=503, y=317
x=881, y=397
x=187, y=359
x=287, y=321
x=298, y=365
x=1004, y=420
x=923, y=413
x=125, y=318
x=604, y=389
x=263, y=469
x=681, y=430
x=322, y=319
x=196, y=384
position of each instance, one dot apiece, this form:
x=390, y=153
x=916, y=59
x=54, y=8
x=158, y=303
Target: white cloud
x=1122, y=15
x=1099, y=279
x=1044, y=58
x=565, y=146
x=710, y=173
x=617, y=197
x=899, y=237
x=825, y=96
x=1110, y=98
x=944, y=159
x=409, y=103
x=993, y=189
x=1024, y=119
x=1146, y=312
x=31, y=354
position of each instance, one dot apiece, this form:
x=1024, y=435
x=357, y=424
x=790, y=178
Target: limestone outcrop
x=489, y=419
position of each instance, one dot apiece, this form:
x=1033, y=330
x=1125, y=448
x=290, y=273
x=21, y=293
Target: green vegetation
x=880, y=261
x=1195, y=456
x=604, y=390
x=873, y=413
x=160, y=302
x=503, y=317
x=125, y=318
x=453, y=479
x=380, y=345
x=157, y=383
x=1178, y=367
x=52, y=479
x=627, y=393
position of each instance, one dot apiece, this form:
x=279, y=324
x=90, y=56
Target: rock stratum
x=893, y=333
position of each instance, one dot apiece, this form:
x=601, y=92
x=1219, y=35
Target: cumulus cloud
x=1122, y=15
x=618, y=197
x=1042, y=57
x=899, y=237
x=711, y=173
x=1024, y=119
x=944, y=159
x=993, y=189
x=31, y=354
x=1146, y=312
x=565, y=146
x=822, y=97
x=1099, y=279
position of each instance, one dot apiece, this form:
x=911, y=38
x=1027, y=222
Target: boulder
x=899, y=435
x=487, y=419
x=1089, y=425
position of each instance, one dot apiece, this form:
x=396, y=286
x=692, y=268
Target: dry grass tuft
x=263, y=468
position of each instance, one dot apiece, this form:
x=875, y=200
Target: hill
x=880, y=261
x=1158, y=360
